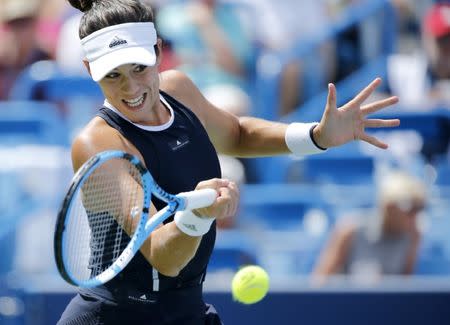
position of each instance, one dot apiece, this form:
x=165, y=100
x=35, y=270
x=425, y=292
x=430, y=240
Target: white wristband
x=299, y=141
x=192, y=225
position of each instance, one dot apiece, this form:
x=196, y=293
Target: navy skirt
x=185, y=307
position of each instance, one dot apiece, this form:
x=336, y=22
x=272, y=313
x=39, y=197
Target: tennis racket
x=104, y=218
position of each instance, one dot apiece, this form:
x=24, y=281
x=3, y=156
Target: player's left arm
x=232, y=135
x=252, y=137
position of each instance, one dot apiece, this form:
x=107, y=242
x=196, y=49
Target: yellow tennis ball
x=250, y=284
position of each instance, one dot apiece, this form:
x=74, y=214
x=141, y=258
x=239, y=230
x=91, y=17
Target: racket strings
x=103, y=218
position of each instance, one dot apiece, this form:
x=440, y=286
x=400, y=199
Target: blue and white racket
x=104, y=218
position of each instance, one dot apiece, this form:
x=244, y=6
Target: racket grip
x=199, y=199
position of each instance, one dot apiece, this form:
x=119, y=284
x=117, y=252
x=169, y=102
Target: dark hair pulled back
x=99, y=14
x=82, y=5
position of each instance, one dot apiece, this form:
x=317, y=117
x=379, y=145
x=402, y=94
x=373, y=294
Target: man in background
x=422, y=77
x=436, y=33
x=18, y=25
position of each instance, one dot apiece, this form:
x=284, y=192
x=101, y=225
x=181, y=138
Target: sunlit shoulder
x=181, y=87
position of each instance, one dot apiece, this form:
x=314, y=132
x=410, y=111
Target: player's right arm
x=167, y=249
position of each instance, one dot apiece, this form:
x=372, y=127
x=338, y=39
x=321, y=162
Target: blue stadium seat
x=433, y=258
x=43, y=80
x=280, y=215
x=31, y=122
x=230, y=258
x=345, y=170
x=77, y=96
x=433, y=126
x=443, y=173
x=7, y=246
x=306, y=254
x=429, y=265
x=276, y=170
x=233, y=250
x=22, y=123
x=279, y=206
x=26, y=127
x=344, y=165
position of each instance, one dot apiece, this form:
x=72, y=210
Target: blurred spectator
x=278, y=27
x=210, y=42
x=422, y=79
x=409, y=17
x=384, y=244
x=436, y=30
x=51, y=15
x=69, y=55
x=18, y=25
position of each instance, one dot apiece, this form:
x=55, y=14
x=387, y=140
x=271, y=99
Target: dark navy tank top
x=178, y=154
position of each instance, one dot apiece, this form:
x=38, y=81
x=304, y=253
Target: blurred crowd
x=219, y=44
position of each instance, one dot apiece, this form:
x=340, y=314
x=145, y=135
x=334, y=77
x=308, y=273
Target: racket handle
x=199, y=199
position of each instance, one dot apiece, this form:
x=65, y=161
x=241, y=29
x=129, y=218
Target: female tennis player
x=165, y=121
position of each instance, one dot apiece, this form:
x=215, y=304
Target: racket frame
x=78, y=180
x=144, y=227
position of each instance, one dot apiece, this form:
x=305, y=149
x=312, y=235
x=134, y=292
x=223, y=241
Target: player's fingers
x=380, y=104
x=380, y=123
x=331, y=99
x=228, y=194
x=227, y=201
x=214, y=183
x=234, y=191
x=366, y=92
x=373, y=141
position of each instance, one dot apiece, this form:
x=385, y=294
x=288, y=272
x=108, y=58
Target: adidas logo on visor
x=117, y=41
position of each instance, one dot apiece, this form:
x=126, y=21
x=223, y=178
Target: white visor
x=111, y=47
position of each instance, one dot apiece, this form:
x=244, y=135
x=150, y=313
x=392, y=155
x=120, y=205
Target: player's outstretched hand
x=344, y=124
x=227, y=200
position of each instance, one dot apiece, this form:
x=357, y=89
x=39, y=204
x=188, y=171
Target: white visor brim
x=130, y=55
